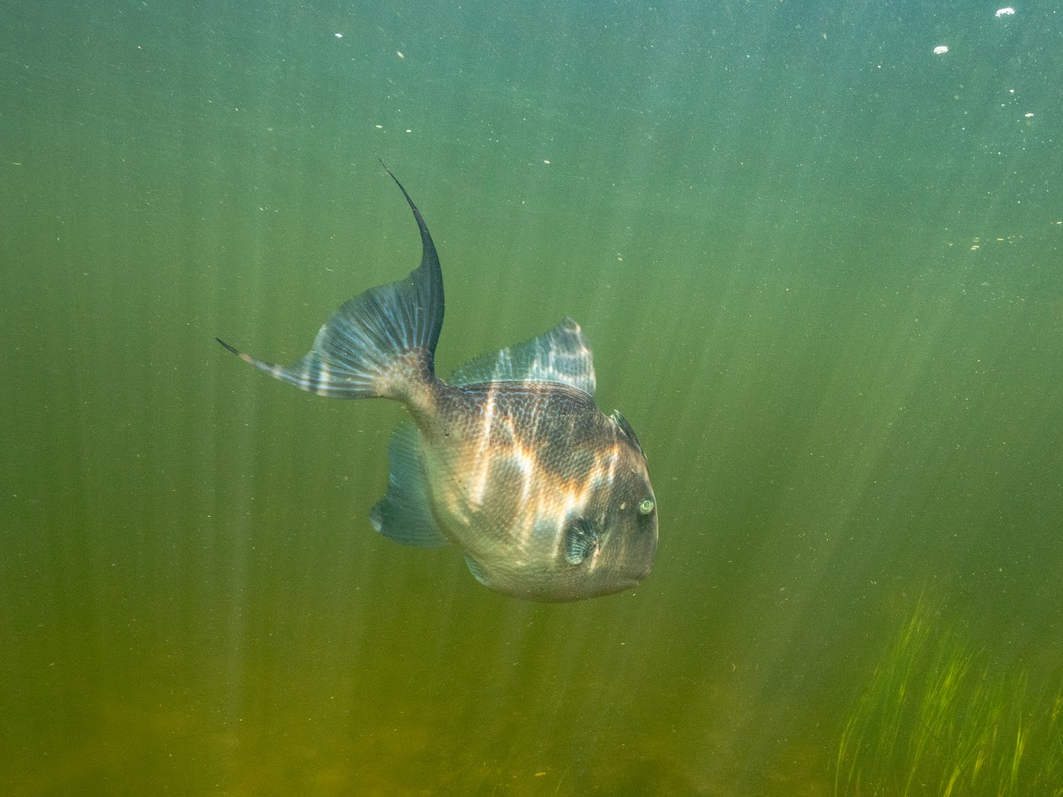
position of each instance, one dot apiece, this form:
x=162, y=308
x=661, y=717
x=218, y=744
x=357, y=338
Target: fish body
x=510, y=459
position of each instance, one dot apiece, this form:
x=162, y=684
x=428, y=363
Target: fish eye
x=646, y=507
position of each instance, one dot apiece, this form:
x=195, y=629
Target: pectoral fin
x=581, y=541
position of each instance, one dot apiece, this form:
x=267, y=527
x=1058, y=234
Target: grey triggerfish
x=510, y=460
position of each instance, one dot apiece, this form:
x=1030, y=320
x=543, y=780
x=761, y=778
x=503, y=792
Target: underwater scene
x=796, y=529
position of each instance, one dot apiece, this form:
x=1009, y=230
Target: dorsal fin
x=562, y=355
x=625, y=427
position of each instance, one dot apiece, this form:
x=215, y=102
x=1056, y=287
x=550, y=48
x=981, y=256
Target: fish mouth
x=636, y=580
x=611, y=587
x=628, y=580
x=638, y=575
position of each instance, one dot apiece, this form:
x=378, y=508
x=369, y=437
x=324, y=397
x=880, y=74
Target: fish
x=510, y=460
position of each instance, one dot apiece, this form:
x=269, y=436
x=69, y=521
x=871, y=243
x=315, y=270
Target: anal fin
x=404, y=514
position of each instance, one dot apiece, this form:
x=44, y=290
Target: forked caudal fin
x=375, y=344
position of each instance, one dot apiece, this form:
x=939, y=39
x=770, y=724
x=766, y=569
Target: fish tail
x=381, y=343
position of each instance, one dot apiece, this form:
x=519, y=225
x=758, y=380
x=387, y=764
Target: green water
x=821, y=270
